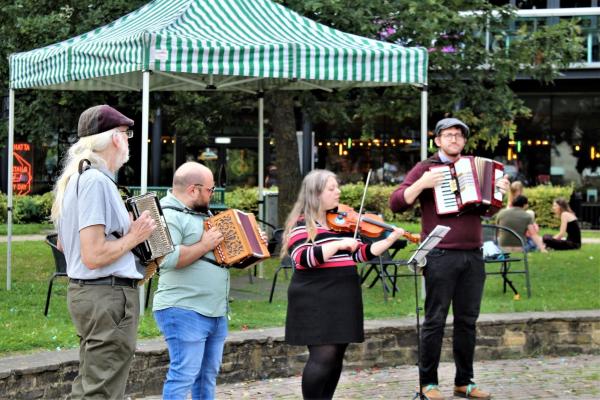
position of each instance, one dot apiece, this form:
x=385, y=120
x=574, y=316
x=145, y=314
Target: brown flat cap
x=100, y=119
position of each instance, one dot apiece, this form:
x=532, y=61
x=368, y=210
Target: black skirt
x=324, y=307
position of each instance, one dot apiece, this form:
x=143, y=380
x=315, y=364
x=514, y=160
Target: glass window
x=575, y=3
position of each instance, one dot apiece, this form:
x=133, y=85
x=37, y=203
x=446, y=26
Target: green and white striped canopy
x=216, y=44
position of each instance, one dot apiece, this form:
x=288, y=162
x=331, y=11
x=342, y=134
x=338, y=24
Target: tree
x=465, y=79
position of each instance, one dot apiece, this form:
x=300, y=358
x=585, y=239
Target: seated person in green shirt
x=520, y=221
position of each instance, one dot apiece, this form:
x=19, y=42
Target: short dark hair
x=520, y=201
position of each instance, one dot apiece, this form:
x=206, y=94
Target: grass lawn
x=567, y=280
x=27, y=229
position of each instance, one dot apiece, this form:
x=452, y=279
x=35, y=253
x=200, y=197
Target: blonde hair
x=516, y=189
x=86, y=147
x=307, y=205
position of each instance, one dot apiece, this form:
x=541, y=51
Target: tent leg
x=424, y=142
x=261, y=166
x=9, y=188
x=144, y=169
x=424, y=122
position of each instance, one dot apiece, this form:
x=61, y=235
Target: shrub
x=376, y=201
x=243, y=198
x=3, y=208
x=540, y=200
x=27, y=209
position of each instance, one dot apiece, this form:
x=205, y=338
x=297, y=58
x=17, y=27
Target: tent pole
x=424, y=122
x=261, y=162
x=145, y=117
x=9, y=188
x=423, y=149
x=144, y=169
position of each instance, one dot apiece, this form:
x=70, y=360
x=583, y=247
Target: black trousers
x=559, y=244
x=452, y=277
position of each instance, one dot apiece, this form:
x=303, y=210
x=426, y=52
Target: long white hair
x=87, y=147
x=308, y=205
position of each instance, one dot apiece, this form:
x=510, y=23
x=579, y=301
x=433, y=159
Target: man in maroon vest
x=455, y=272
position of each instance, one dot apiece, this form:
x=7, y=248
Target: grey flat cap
x=450, y=122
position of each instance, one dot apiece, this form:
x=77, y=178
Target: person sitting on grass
x=568, y=225
x=521, y=221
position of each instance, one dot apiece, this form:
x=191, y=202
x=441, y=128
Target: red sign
x=22, y=168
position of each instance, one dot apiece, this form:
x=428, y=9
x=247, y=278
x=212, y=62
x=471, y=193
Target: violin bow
x=362, y=203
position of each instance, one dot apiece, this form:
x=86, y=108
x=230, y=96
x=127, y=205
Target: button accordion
x=159, y=243
x=242, y=244
x=468, y=181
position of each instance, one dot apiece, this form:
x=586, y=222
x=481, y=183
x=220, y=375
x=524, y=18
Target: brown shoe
x=471, y=392
x=432, y=392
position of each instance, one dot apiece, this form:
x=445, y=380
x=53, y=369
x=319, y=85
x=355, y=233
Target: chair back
x=60, y=261
x=274, y=244
x=492, y=232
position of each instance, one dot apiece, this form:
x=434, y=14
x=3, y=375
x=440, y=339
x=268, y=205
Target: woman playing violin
x=325, y=309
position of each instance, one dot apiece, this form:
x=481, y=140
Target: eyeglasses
x=211, y=189
x=454, y=136
x=128, y=132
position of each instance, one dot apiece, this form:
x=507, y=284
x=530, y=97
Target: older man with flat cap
x=97, y=234
x=455, y=270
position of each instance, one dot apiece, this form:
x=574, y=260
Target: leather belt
x=107, y=280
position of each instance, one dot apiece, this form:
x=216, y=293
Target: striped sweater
x=310, y=254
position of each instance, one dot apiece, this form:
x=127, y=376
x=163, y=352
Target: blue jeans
x=195, y=345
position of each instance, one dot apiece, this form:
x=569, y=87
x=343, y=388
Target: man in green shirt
x=521, y=221
x=190, y=304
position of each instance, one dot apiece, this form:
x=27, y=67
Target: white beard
x=123, y=157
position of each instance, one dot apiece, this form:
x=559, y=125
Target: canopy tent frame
x=31, y=70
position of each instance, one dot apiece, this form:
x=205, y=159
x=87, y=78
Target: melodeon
x=468, y=181
x=159, y=243
x=242, y=245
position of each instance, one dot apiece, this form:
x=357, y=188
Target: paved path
x=537, y=378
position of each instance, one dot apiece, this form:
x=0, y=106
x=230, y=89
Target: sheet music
x=432, y=240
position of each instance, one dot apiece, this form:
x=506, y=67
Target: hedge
x=36, y=208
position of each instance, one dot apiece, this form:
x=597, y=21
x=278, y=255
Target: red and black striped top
x=307, y=254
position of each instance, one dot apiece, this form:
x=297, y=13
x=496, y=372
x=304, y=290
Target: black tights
x=322, y=370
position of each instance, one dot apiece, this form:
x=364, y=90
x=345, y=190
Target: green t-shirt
x=516, y=219
x=201, y=286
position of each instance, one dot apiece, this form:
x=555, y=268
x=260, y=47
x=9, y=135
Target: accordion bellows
x=242, y=245
x=159, y=243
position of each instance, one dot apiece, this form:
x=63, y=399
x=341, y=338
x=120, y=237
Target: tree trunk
x=280, y=109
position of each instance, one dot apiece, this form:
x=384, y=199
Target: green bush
x=27, y=209
x=540, y=200
x=3, y=208
x=376, y=201
x=243, y=198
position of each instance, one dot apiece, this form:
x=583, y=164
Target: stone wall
x=262, y=353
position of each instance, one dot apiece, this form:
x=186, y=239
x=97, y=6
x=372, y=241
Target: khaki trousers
x=106, y=320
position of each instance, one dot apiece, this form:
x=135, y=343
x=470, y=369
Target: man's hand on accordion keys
x=430, y=179
x=141, y=229
x=211, y=238
x=503, y=184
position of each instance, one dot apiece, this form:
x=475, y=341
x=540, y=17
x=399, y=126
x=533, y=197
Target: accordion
x=242, y=245
x=159, y=243
x=468, y=181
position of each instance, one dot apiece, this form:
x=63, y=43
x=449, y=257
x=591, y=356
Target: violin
x=345, y=219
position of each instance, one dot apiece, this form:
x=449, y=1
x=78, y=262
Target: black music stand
x=416, y=263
